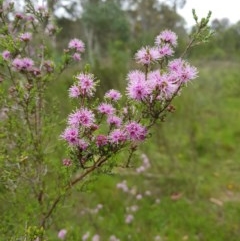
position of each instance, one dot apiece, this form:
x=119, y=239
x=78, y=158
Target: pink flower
x=117, y=136
x=164, y=84
x=29, y=18
x=114, y=120
x=101, y=140
x=188, y=73
x=6, y=55
x=123, y=186
x=165, y=50
x=167, y=36
x=86, y=84
x=176, y=65
x=74, y=91
x=147, y=55
x=19, y=16
x=76, y=57
x=135, y=131
x=85, y=236
x=76, y=45
x=138, y=88
x=35, y=71
x=136, y=75
x=62, y=233
x=17, y=64
x=26, y=37
x=67, y=162
x=113, y=95
x=129, y=218
x=139, y=196
x=183, y=71
x=113, y=238
x=106, y=109
x=96, y=237
x=25, y=64
x=70, y=135
x=49, y=66
x=82, y=144
x=82, y=117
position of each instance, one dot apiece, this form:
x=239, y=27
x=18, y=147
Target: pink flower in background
x=166, y=36
x=139, y=196
x=29, y=18
x=27, y=64
x=6, y=55
x=106, y=109
x=129, y=218
x=26, y=37
x=67, y=162
x=117, y=136
x=86, y=84
x=17, y=64
x=133, y=208
x=114, y=120
x=70, y=135
x=74, y=91
x=113, y=238
x=96, y=237
x=135, y=131
x=145, y=164
x=62, y=234
x=147, y=55
x=19, y=16
x=82, y=117
x=85, y=236
x=82, y=144
x=76, y=57
x=113, y=95
x=123, y=186
x=157, y=238
x=101, y=140
x=77, y=45
x=49, y=66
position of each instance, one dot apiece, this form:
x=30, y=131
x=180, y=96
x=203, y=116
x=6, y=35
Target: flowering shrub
x=96, y=130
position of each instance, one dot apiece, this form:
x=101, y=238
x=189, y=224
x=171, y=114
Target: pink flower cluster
x=23, y=64
x=164, y=44
x=85, y=86
x=77, y=47
x=104, y=128
x=25, y=37
x=160, y=84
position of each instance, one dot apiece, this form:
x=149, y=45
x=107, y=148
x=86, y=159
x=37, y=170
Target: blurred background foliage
x=195, y=153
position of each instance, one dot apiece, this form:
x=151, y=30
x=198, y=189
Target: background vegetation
x=192, y=189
